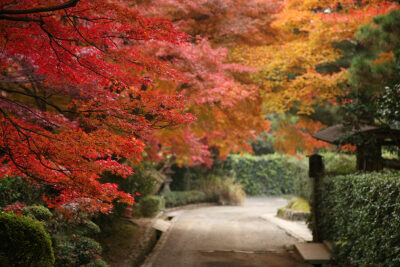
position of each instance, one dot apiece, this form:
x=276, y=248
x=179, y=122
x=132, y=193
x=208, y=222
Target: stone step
x=161, y=225
x=314, y=253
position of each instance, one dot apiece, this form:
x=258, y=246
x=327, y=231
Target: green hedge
x=272, y=174
x=180, y=198
x=24, y=242
x=339, y=163
x=151, y=205
x=361, y=214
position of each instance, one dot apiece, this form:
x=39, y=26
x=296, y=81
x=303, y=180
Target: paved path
x=231, y=236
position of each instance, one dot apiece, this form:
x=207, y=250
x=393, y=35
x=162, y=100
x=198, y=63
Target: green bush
x=143, y=181
x=272, y=174
x=89, y=228
x=360, y=213
x=180, y=198
x=76, y=250
x=98, y=263
x=13, y=189
x=339, y=163
x=151, y=205
x=37, y=212
x=24, y=242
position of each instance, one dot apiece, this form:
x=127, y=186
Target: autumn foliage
x=86, y=86
x=76, y=94
x=305, y=67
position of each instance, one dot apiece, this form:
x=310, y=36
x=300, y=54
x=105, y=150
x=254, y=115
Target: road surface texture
x=231, y=236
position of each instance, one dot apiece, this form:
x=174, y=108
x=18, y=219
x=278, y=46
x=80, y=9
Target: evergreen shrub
x=360, y=213
x=339, y=163
x=180, y=198
x=151, y=205
x=271, y=174
x=24, y=242
x=76, y=250
x=13, y=189
x=37, y=212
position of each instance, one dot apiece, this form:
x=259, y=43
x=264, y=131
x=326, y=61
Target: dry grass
x=226, y=191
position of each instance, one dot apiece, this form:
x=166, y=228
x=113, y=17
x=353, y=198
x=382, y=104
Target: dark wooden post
x=316, y=171
x=369, y=157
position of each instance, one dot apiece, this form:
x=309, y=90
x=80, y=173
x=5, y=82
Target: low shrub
x=360, y=213
x=225, y=191
x=13, y=189
x=37, y=212
x=180, y=198
x=97, y=263
x=151, y=205
x=16, y=208
x=76, y=250
x=24, y=242
x=145, y=180
x=230, y=192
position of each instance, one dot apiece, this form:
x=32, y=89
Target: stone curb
x=296, y=229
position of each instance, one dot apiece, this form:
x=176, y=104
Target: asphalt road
x=232, y=236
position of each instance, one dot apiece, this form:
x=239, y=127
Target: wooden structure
x=369, y=141
x=316, y=172
x=317, y=252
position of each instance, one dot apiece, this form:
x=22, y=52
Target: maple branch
x=33, y=96
x=26, y=19
x=80, y=34
x=68, y=4
x=20, y=128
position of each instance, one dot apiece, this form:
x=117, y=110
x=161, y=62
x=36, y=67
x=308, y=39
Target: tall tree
x=375, y=99
x=306, y=66
x=76, y=98
x=227, y=105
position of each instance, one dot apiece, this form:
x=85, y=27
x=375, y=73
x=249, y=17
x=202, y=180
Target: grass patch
x=299, y=204
x=297, y=209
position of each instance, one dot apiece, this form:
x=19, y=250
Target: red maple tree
x=76, y=94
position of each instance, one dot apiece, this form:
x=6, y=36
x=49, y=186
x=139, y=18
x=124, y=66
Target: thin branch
x=68, y=4
x=27, y=19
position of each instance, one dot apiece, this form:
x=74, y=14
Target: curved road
x=232, y=236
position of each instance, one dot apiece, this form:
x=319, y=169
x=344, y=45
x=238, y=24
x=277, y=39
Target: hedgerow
x=360, y=213
x=271, y=174
x=180, y=198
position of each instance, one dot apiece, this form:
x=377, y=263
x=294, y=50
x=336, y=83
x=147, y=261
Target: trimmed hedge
x=180, y=198
x=24, y=242
x=361, y=215
x=151, y=205
x=272, y=174
x=339, y=163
